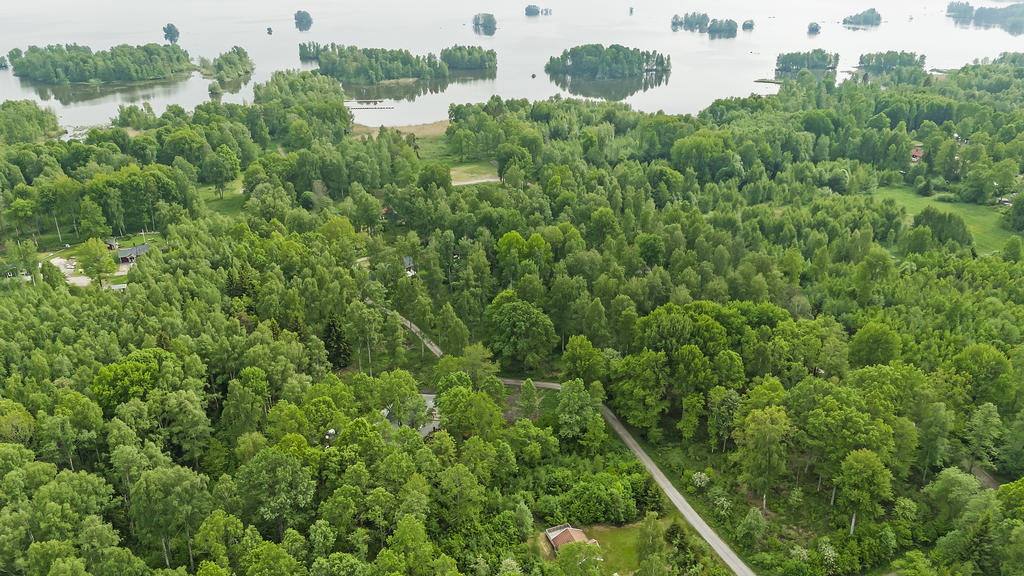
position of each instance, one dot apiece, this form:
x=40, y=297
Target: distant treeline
x=57, y=64
x=1009, y=18
x=485, y=23
x=350, y=64
x=594, y=61
x=891, y=60
x=701, y=22
x=816, y=59
x=869, y=17
x=229, y=66
x=469, y=58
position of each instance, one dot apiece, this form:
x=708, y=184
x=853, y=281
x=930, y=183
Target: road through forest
x=721, y=548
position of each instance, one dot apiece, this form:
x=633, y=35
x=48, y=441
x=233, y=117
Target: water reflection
x=410, y=90
x=609, y=89
x=67, y=94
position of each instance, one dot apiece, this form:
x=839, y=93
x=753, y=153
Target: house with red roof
x=564, y=534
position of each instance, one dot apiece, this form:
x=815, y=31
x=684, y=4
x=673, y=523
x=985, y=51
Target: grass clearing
x=618, y=544
x=435, y=149
x=232, y=203
x=984, y=222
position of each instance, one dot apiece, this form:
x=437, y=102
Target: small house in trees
x=129, y=255
x=916, y=154
x=111, y=244
x=564, y=534
x=410, y=267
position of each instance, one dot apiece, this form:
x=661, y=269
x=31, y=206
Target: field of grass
x=435, y=149
x=232, y=203
x=983, y=222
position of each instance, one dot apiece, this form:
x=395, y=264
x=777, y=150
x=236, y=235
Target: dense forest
x=869, y=17
x=837, y=386
x=230, y=66
x=595, y=62
x=57, y=64
x=1009, y=18
x=350, y=64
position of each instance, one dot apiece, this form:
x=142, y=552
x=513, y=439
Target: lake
x=703, y=69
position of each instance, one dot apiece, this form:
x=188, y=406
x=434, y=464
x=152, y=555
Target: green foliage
x=485, y=23
x=230, y=66
x=56, y=64
x=816, y=59
x=352, y=65
x=869, y=17
x=594, y=61
x=171, y=33
x=303, y=21
x=469, y=58
x=1009, y=18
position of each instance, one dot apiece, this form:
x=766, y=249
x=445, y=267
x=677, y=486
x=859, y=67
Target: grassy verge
x=983, y=222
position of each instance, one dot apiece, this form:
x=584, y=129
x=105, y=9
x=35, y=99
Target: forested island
x=1009, y=18
x=692, y=22
x=469, y=58
x=595, y=62
x=485, y=23
x=62, y=64
x=869, y=17
x=891, y=60
x=715, y=28
x=303, y=21
x=230, y=66
x=350, y=64
x=814, y=28
x=816, y=59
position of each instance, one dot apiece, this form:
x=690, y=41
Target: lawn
x=618, y=544
x=122, y=241
x=232, y=203
x=435, y=149
x=983, y=222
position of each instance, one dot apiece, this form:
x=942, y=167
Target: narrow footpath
x=706, y=532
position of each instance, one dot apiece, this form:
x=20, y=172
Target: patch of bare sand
x=419, y=130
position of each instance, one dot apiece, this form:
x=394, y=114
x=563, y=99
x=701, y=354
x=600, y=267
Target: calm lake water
x=703, y=69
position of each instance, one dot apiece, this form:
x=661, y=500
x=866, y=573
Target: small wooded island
x=816, y=59
x=1009, y=18
x=64, y=64
x=485, y=23
x=230, y=66
x=704, y=24
x=595, y=62
x=869, y=17
x=303, y=21
x=367, y=66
